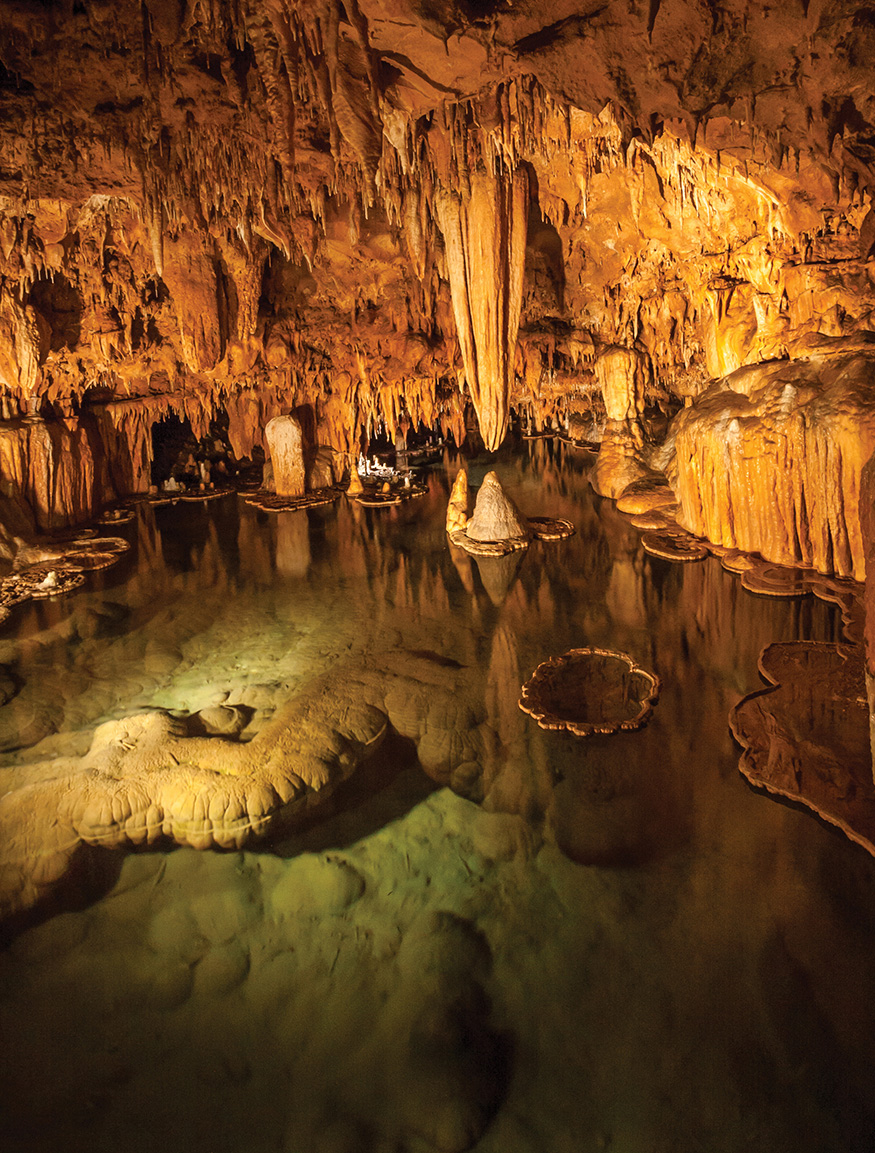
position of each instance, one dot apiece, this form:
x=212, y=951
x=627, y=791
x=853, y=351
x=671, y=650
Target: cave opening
x=61, y=307
x=190, y=461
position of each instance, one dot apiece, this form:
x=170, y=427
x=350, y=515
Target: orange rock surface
x=769, y=459
x=396, y=213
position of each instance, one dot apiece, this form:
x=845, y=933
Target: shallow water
x=610, y=943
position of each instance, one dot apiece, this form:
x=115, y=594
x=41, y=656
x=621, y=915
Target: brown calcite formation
x=56, y=470
x=769, y=459
x=620, y=462
x=590, y=691
x=807, y=737
x=397, y=212
x=457, y=509
x=622, y=374
x=128, y=789
x=285, y=441
x=496, y=517
x=867, y=524
x=484, y=231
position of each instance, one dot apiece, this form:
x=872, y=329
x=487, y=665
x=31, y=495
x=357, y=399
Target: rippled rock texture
x=769, y=459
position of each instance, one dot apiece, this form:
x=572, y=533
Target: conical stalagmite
x=457, y=509
x=355, y=481
x=485, y=237
x=496, y=517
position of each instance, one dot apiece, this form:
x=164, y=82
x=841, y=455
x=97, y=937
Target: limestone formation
x=356, y=488
x=495, y=516
x=769, y=459
x=457, y=509
x=145, y=778
x=807, y=737
x=622, y=377
x=499, y=526
x=285, y=442
x=394, y=215
x=484, y=230
x=590, y=691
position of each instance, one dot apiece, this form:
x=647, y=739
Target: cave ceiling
x=387, y=208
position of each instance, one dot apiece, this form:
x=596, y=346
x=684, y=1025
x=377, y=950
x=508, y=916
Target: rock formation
x=807, y=736
x=484, y=230
x=467, y=217
x=397, y=215
x=285, y=442
x=769, y=458
x=128, y=788
x=590, y=691
x=496, y=517
x=457, y=509
x=496, y=529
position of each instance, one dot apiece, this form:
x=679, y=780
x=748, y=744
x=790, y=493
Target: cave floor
x=579, y=944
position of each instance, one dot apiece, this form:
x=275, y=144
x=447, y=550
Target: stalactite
x=484, y=234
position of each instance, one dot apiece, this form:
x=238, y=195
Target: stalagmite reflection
x=293, y=544
x=635, y=864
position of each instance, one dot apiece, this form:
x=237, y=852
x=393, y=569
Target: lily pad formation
x=588, y=691
x=497, y=527
x=53, y=569
x=276, y=502
x=806, y=737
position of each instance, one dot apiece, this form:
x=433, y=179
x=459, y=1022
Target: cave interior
x=278, y=278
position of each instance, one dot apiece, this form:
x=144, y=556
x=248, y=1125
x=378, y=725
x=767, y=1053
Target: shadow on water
x=382, y=790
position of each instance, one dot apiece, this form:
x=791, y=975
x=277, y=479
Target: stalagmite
x=286, y=445
x=457, y=509
x=496, y=517
x=485, y=236
x=622, y=374
x=355, y=481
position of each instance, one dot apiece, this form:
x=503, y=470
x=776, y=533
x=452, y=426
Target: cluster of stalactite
x=261, y=218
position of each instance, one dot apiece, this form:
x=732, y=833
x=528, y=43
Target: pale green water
x=622, y=947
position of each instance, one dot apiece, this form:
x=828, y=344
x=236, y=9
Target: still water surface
x=569, y=945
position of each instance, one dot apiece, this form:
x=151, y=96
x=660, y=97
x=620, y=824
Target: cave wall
x=391, y=210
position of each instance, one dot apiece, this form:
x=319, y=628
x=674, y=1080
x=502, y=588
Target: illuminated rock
x=620, y=463
x=484, y=230
x=769, y=459
x=144, y=779
x=285, y=442
x=326, y=468
x=622, y=375
x=355, y=488
x=496, y=517
x=457, y=509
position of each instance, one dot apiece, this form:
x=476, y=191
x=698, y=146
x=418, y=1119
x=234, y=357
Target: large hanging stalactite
x=484, y=232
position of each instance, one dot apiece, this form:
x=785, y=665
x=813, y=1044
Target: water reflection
x=663, y=959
